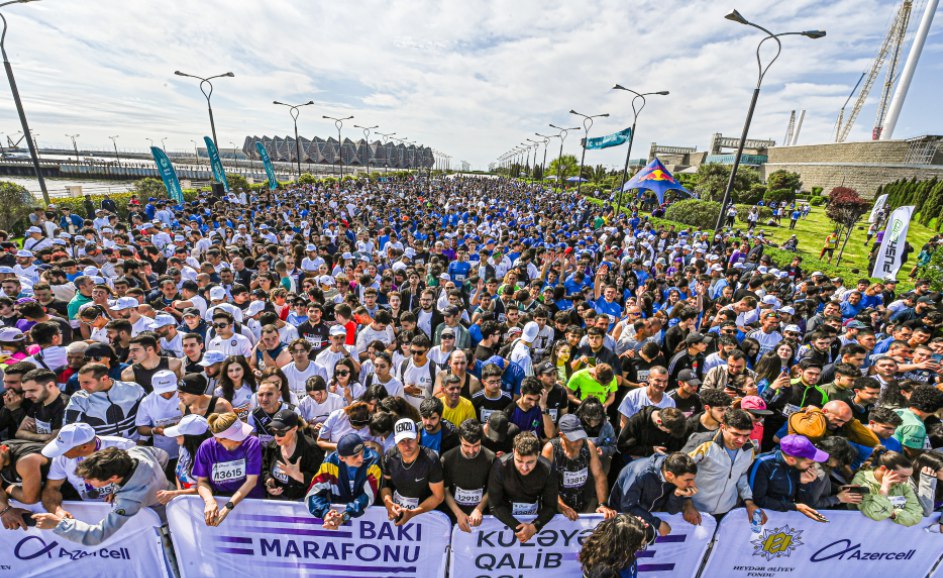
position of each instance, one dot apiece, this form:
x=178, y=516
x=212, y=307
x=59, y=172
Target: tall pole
x=562, y=136
x=737, y=17
x=387, y=137
x=587, y=124
x=638, y=103
x=114, y=143
x=33, y=153
x=535, y=145
x=339, y=124
x=543, y=165
x=366, y=139
x=294, y=111
x=900, y=93
x=196, y=152
x=206, y=87
x=75, y=146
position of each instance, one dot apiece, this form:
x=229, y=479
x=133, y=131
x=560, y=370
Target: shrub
x=694, y=212
x=237, y=182
x=779, y=195
x=817, y=191
x=752, y=196
x=16, y=203
x=817, y=201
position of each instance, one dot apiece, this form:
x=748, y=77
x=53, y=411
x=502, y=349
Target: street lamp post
x=366, y=139
x=33, y=153
x=536, y=146
x=339, y=124
x=233, y=145
x=75, y=146
x=636, y=110
x=562, y=135
x=163, y=144
x=387, y=137
x=196, y=152
x=294, y=111
x=114, y=143
x=543, y=165
x=206, y=87
x=587, y=124
x=762, y=70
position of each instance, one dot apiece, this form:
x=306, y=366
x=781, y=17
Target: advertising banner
x=218, y=173
x=878, y=205
x=267, y=163
x=282, y=539
x=891, y=252
x=492, y=551
x=848, y=546
x=610, y=140
x=135, y=550
x=168, y=174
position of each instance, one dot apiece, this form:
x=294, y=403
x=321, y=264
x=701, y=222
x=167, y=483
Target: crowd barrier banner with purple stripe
x=283, y=539
x=492, y=551
x=848, y=546
x=135, y=550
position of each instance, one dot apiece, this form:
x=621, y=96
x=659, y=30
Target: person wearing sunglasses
x=226, y=339
x=290, y=461
x=271, y=397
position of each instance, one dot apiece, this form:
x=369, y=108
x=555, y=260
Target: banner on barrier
x=849, y=546
x=135, y=550
x=492, y=551
x=282, y=538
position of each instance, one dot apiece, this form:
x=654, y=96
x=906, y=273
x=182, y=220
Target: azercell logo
x=845, y=550
x=32, y=547
x=26, y=550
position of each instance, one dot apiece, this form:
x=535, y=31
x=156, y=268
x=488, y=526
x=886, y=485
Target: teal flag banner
x=168, y=174
x=267, y=162
x=217, y=164
x=610, y=140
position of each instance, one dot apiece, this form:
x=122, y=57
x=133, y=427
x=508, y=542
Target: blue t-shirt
x=432, y=441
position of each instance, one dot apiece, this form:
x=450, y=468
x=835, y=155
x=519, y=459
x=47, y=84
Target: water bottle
x=756, y=522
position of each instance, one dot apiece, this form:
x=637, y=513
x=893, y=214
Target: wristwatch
x=545, y=411
x=230, y=506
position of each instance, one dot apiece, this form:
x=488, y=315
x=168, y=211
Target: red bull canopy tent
x=656, y=178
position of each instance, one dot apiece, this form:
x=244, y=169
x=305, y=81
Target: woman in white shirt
x=236, y=385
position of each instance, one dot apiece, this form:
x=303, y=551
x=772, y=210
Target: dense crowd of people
x=474, y=346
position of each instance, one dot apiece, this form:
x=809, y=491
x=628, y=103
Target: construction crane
x=889, y=53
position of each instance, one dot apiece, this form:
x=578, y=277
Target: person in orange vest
x=831, y=243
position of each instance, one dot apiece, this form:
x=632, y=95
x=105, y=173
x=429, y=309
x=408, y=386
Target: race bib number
x=553, y=414
x=404, y=502
x=465, y=497
x=229, y=471
x=278, y=474
x=575, y=479
x=93, y=494
x=790, y=409
x=523, y=509
x=43, y=427
x=643, y=375
x=485, y=414
x=898, y=501
x=168, y=421
x=242, y=412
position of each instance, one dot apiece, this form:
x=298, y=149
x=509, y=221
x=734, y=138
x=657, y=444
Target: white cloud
x=468, y=78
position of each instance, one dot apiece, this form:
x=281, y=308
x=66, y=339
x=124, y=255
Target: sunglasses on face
x=220, y=325
x=342, y=373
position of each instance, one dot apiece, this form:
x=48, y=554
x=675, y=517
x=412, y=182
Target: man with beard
x=466, y=469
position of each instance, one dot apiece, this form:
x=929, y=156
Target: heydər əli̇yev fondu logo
x=777, y=543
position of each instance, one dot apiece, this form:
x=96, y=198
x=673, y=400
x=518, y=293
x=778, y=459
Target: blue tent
x=656, y=178
x=576, y=180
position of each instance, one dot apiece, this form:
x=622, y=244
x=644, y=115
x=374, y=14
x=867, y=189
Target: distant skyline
x=471, y=79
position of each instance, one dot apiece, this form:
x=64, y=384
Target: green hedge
x=817, y=201
x=703, y=214
x=779, y=195
x=120, y=199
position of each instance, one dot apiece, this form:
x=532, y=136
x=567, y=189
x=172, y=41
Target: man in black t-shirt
x=466, y=470
x=686, y=396
x=44, y=417
x=314, y=330
x=557, y=402
x=412, y=476
x=522, y=484
x=491, y=398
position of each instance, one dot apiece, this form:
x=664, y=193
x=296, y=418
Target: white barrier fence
x=264, y=536
x=136, y=550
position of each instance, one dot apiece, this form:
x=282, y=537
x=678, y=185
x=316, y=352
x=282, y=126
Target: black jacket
x=641, y=490
x=640, y=435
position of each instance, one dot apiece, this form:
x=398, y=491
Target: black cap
x=193, y=383
x=694, y=338
x=99, y=351
x=284, y=419
x=497, y=427
x=546, y=367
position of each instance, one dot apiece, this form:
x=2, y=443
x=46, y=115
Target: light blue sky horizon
x=471, y=79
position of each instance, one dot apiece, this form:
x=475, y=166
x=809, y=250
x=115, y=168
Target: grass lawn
x=811, y=232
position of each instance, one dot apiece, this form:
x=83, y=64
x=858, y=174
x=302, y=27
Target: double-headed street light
x=638, y=103
x=562, y=136
x=543, y=165
x=206, y=87
x=33, y=153
x=737, y=17
x=293, y=109
x=366, y=138
x=536, y=146
x=587, y=124
x=339, y=124
x=114, y=143
x=74, y=146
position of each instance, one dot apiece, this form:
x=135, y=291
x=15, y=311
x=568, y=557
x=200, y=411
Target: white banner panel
x=891, y=252
x=492, y=551
x=135, y=550
x=261, y=538
x=878, y=205
x=848, y=546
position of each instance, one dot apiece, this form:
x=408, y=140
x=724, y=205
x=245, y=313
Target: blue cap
x=349, y=445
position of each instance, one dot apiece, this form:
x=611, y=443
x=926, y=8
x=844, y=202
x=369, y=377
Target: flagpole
x=636, y=110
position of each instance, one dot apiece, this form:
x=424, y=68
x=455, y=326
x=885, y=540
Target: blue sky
x=471, y=78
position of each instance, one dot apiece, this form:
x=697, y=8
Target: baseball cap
x=855, y=324
x=284, y=419
x=817, y=274
x=255, y=308
x=163, y=320
x=546, y=367
x=212, y=357
x=799, y=446
x=350, y=445
x=164, y=381
x=124, y=303
x=792, y=328
x=694, y=338
x=338, y=330
x=10, y=334
x=498, y=426
x=34, y=230
x=755, y=405
x=404, y=429
x=191, y=312
x=70, y=436
x=217, y=294
x=193, y=383
x=531, y=329
x=326, y=280
x=571, y=426
x=447, y=331
x=189, y=425
x=688, y=376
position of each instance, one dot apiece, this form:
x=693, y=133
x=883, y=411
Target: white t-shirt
x=328, y=359
x=422, y=377
x=236, y=345
x=636, y=399
x=156, y=411
x=314, y=412
x=63, y=468
x=298, y=378
x=241, y=401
